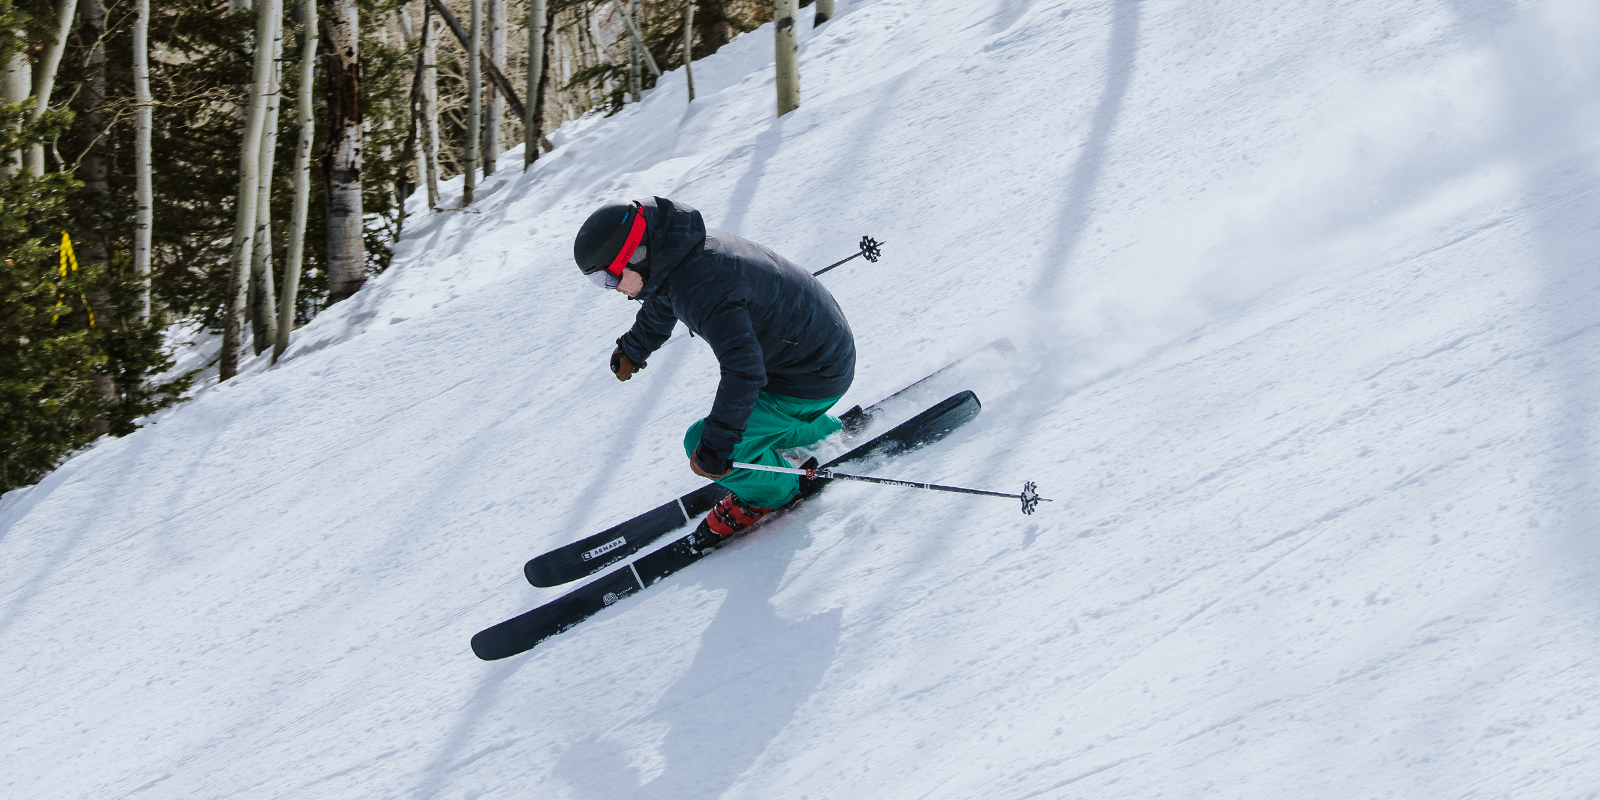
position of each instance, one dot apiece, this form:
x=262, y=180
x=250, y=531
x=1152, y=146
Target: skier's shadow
x=752, y=672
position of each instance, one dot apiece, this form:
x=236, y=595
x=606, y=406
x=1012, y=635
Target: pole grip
x=819, y=473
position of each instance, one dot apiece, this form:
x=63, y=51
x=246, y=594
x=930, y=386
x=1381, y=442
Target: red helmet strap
x=635, y=235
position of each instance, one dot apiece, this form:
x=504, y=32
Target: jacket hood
x=674, y=232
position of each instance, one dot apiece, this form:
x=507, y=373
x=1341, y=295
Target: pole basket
x=870, y=248
x=1030, y=497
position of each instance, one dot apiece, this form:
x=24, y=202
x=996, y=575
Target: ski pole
x=1030, y=492
x=870, y=248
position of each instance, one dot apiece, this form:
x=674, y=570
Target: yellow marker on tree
x=69, y=260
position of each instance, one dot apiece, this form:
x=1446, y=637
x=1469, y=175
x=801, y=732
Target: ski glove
x=622, y=366
x=706, y=466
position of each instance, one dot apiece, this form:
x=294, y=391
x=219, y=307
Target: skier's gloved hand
x=707, y=466
x=622, y=366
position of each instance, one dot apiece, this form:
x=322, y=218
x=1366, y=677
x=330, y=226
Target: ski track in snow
x=1306, y=298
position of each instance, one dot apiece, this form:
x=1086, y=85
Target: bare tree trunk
x=235, y=6
x=566, y=49
x=96, y=184
x=588, y=43
x=144, y=194
x=494, y=110
x=824, y=12
x=92, y=95
x=567, y=52
x=44, y=80
x=397, y=189
x=538, y=51
x=18, y=85
x=425, y=165
x=591, y=41
x=244, y=221
x=635, y=67
x=688, y=46
x=263, y=310
x=486, y=66
x=430, y=103
x=292, y=261
x=347, y=263
x=788, y=47
x=636, y=35
x=541, y=39
x=474, y=102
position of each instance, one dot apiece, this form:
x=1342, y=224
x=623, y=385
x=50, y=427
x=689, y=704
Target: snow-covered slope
x=1308, y=304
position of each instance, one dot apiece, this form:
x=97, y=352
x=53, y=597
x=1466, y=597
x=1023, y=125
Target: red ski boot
x=729, y=516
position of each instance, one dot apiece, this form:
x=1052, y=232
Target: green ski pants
x=776, y=423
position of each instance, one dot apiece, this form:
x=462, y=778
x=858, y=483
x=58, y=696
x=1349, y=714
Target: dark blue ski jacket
x=772, y=326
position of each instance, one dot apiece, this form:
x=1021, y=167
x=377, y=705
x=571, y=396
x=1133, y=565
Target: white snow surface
x=1307, y=299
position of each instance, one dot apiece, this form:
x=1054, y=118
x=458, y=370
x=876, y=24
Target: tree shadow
x=1546, y=133
x=762, y=150
x=752, y=672
x=1084, y=178
x=66, y=542
x=1549, y=133
x=609, y=456
x=1048, y=386
x=448, y=756
x=1566, y=196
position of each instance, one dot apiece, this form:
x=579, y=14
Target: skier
x=786, y=352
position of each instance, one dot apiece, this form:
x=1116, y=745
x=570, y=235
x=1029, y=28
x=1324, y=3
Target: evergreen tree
x=54, y=343
x=77, y=356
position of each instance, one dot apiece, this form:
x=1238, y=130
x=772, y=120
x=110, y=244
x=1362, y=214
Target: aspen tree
x=494, y=109
x=638, y=54
x=636, y=35
x=474, y=102
x=787, y=45
x=45, y=79
x=18, y=84
x=386, y=148
x=427, y=169
x=94, y=171
x=144, y=199
x=538, y=45
x=263, y=310
x=595, y=54
x=558, y=66
x=430, y=102
x=568, y=50
x=292, y=262
x=346, y=252
x=688, y=46
x=824, y=12
x=635, y=65
x=569, y=46
x=244, y=224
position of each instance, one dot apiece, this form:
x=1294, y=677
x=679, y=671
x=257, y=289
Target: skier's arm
x=652, y=326
x=733, y=339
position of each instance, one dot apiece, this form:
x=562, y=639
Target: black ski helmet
x=603, y=237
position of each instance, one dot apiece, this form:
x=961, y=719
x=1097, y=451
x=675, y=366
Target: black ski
x=520, y=634
x=592, y=554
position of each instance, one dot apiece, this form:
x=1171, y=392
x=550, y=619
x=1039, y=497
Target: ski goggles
x=609, y=277
x=603, y=279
